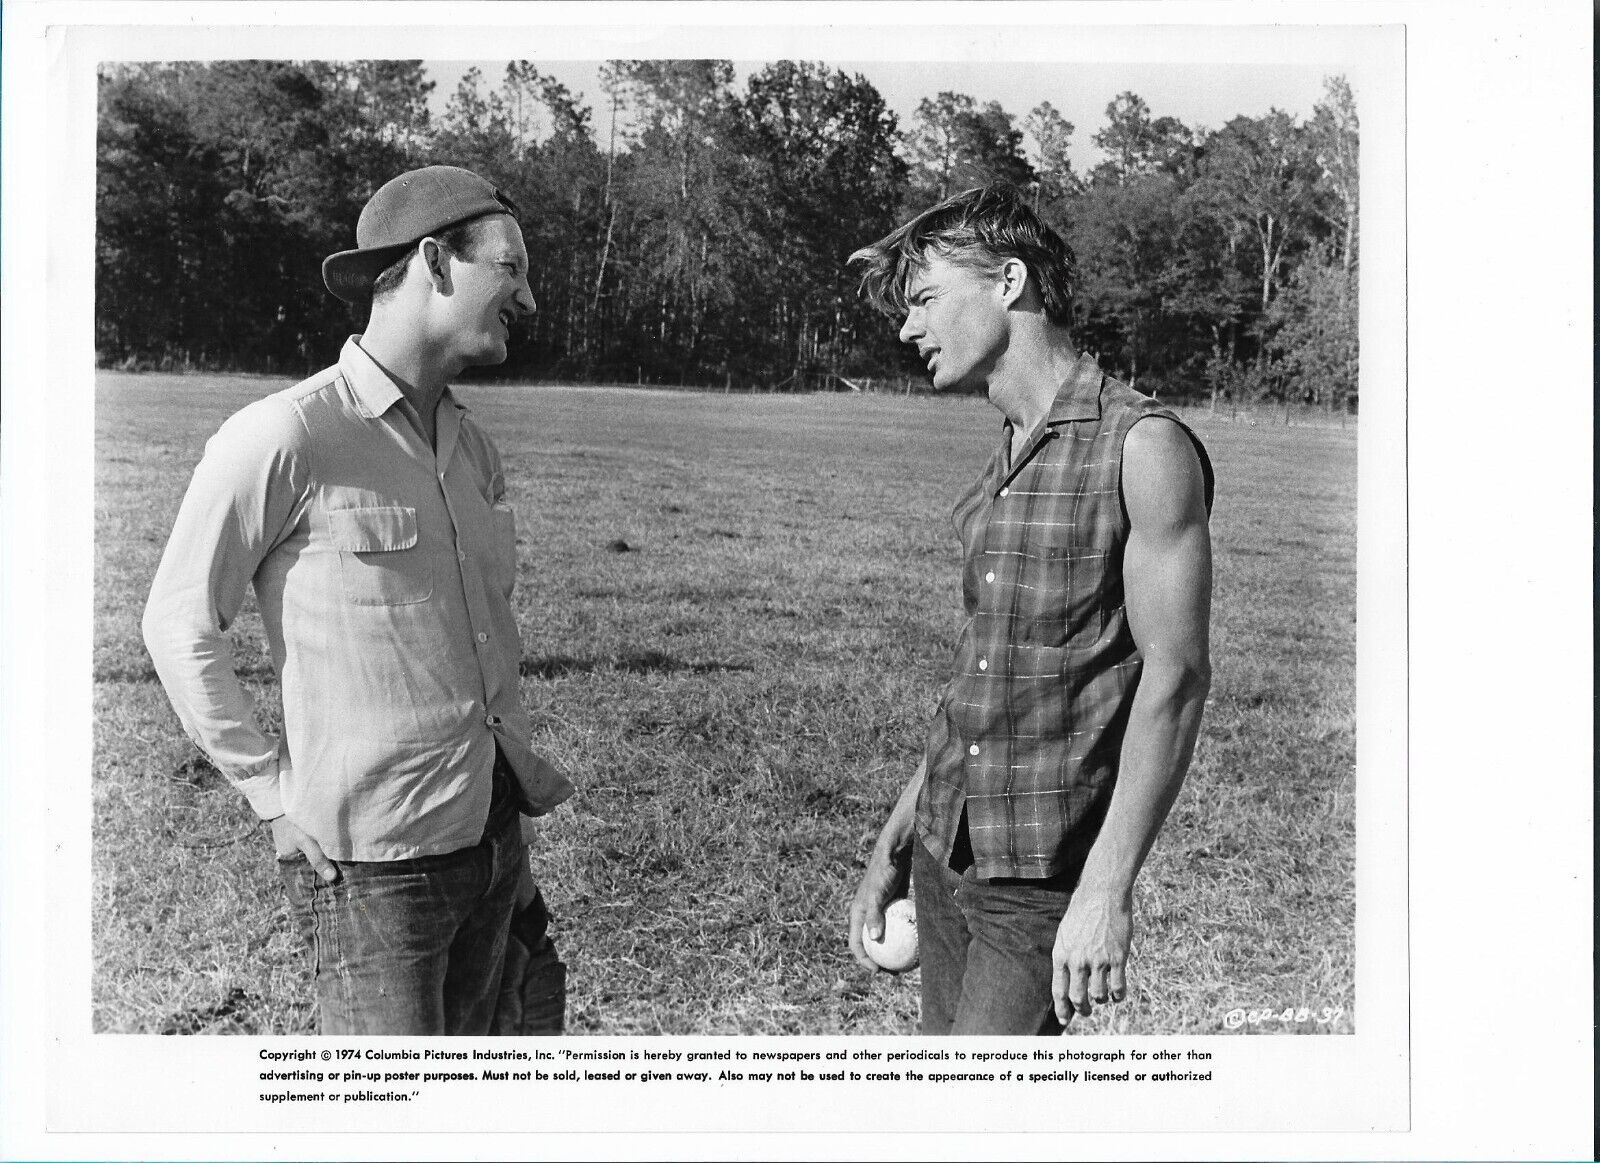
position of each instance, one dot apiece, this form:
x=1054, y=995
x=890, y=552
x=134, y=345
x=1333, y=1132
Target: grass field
x=739, y=697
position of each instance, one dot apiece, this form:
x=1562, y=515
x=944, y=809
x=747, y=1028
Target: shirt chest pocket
x=380, y=563
x=1065, y=592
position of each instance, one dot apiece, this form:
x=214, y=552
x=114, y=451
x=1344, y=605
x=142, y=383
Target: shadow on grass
x=234, y=1014
x=633, y=662
x=261, y=672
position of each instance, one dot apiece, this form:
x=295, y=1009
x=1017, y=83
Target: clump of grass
x=740, y=697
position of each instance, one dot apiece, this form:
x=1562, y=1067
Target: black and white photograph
x=726, y=619
x=784, y=559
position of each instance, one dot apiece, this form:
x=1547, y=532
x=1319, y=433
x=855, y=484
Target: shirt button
x=973, y=750
x=461, y=555
x=983, y=664
x=1004, y=492
x=989, y=577
x=482, y=637
x=491, y=720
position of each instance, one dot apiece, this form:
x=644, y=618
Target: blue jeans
x=986, y=948
x=409, y=946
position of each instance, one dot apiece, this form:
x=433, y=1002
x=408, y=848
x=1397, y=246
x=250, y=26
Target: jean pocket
x=299, y=886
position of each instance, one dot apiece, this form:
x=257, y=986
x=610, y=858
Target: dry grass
x=740, y=695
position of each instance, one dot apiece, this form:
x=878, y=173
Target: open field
x=740, y=696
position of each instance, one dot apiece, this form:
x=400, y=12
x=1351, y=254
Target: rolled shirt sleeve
x=246, y=495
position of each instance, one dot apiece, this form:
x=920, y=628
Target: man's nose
x=524, y=300
x=911, y=328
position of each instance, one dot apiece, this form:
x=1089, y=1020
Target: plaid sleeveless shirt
x=1028, y=735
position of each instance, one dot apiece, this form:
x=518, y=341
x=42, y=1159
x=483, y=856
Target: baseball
x=897, y=951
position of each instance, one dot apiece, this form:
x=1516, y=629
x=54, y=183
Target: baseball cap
x=403, y=211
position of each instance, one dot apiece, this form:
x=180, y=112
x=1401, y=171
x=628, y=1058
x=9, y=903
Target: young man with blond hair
x=1066, y=729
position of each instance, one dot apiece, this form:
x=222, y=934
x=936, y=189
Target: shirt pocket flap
x=374, y=529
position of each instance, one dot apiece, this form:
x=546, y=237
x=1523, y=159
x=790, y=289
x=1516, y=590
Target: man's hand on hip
x=1091, y=953
x=287, y=839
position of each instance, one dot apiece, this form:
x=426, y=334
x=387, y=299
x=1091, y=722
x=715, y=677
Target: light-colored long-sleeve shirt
x=383, y=570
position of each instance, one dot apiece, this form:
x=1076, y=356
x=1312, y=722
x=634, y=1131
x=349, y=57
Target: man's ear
x=1013, y=280
x=435, y=260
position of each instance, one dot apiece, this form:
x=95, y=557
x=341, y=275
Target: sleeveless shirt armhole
x=1206, y=471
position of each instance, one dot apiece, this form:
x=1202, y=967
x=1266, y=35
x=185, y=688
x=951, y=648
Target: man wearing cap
x=367, y=509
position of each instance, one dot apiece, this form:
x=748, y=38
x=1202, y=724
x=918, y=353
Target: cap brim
x=351, y=273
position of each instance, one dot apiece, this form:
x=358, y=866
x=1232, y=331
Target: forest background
x=703, y=241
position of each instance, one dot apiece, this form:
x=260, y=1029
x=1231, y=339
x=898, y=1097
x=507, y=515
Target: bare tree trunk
x=611, y=221
x=1266, y=267
x=605, y=254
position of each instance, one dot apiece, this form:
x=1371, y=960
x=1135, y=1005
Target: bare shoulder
x=1163, y=483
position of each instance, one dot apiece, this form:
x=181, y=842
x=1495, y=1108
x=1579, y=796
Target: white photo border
x=71, y=1092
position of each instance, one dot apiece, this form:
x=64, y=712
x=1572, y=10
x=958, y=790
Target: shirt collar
x=374, y=389
x=1078, y=398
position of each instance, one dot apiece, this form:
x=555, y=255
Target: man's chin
x=489, y=356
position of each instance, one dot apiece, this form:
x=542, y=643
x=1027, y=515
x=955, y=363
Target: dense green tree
x=156, y=190
x=1136, y=144
x=688, y=225
x=955, y=144
x=1055, y=182
x=704, y=241
x=1212, y=291
x=1158, y=293
x=242, y=200
x=1313, y=330
x=823, y=144
x=1123, y=235
x=532, y=138
x=1258, y=173
x=375, y=116
x=1335, y=145
x=560, y=188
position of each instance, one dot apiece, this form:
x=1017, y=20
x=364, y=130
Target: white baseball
x=897, y=951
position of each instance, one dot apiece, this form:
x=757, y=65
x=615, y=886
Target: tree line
x=702, y=239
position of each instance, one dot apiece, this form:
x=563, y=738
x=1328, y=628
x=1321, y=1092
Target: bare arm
x=1167, y=583
x=888, y=869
